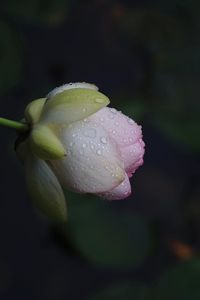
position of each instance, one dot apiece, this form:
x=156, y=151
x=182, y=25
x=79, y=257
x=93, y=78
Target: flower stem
x=19, y=126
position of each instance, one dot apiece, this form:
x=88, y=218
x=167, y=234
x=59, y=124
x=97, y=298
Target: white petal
x=44, y=189
x=122, y=191
x=92, y=164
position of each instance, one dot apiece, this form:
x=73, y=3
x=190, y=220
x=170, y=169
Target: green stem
x=13, y=124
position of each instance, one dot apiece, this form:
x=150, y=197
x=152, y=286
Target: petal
x=132, y=156
x=45, y=190
x=93, y=163
x=69, y=86
x=45, y=144
x=33, y=110
x=121, y=128
x=73, y=105
x=122, y=191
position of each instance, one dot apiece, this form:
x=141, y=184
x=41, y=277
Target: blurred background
x=145, y=55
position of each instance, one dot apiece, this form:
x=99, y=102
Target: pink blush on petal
x=132, y=156
x=123, y=130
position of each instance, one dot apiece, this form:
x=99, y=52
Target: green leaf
x=124, y=291
x=106, y=237
x=180, y=283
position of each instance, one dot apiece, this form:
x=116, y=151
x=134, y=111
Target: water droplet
x=113, y=110
x=99, y=100
x=103, y=140
x=113, y=132
x=101, y=119
x=92, y=146
x=111, y=116
x=71, y=144
x=130, y=121
x=84, y=110
x=90, y=132
x=98, y=152
x=84, y=145
x=81, y=152
x=85, y=120
x=130, y=140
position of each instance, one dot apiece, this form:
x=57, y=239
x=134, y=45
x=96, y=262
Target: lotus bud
x=76, y=142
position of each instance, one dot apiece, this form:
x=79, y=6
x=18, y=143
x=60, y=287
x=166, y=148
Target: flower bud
x=76, y=142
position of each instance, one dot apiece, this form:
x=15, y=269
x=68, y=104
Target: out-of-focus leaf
x=177, y=109
x=126, y=291
x=180, y=283
x=105, y=237
x=180, y=131
x=46, y=12
x=10, y=58
x=155, y=28
x=133, y=106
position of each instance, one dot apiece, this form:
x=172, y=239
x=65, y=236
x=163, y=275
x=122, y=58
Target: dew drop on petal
x=103, y=140
x=84, y=145
x=130, y=121
x=113, y=110
x=92, y=146
x=98, y=152
x=81, y=152
x=90, y=132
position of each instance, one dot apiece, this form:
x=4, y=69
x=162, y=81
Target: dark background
x=145, y=55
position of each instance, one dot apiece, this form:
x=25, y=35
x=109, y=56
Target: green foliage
x=122, y=291
x=180, y=282
x=106, y=237
x=170, y=34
